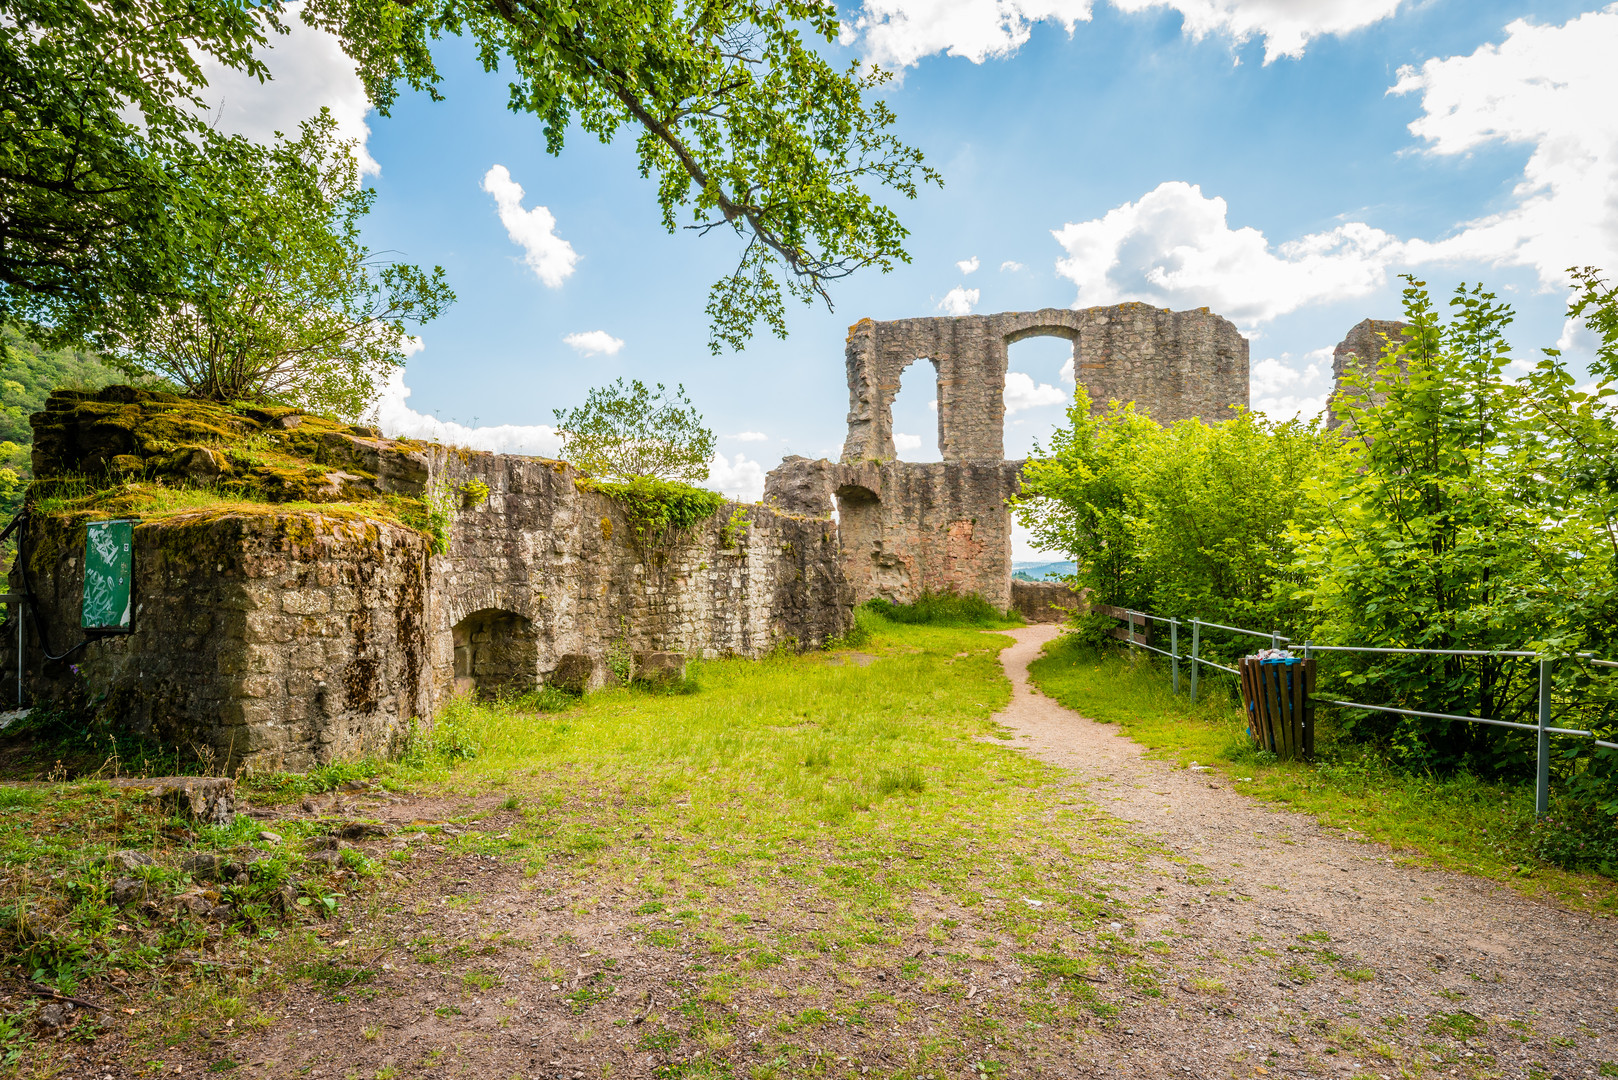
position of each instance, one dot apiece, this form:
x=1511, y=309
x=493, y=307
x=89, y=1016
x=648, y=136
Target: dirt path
x=1434, y=942
x=1244, y=943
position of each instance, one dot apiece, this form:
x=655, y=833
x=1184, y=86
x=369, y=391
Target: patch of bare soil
x=1243, y=942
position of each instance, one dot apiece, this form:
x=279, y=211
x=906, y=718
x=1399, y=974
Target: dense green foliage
x=28, y=374
x=278, y=301
x=1186, y=520
x=101, y=121
x=625, y=431
x=1455, y=508
x=659, y=510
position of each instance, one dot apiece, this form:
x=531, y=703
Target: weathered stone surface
x=209, y=866
x=207, y=799
x=578, y=673
x=130, y=861
x=1174, y=364
x=127, y=891
x=1355, y=359
x=907, y=527
x=1045, y=601
x=661, y=668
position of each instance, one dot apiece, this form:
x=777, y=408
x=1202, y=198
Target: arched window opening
x=496, y=654
x=1039, y=389
x=915, y=413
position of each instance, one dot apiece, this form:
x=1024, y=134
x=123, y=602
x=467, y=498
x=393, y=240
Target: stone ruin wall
x=283, y=639
x=1355, y=360
x=907, y=527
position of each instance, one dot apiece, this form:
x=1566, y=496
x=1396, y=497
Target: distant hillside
x=1039, y=571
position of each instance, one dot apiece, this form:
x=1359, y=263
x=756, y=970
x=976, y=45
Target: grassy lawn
x=1458, y=823
x=812, y=839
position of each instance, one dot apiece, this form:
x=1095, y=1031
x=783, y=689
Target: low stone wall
x=908, y=527
x=281, y=638
x=1046, y=601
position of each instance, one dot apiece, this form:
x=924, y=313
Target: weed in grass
x=1457, y=1025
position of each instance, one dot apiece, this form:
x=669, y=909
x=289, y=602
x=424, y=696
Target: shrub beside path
x=1452, y=974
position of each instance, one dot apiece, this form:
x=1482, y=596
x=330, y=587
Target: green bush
x=944, y=609
x=658, y=510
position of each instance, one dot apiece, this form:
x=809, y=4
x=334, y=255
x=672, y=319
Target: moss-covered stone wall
x=305, y=590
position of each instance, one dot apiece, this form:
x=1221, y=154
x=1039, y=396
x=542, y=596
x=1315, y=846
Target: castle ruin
x=909, y=527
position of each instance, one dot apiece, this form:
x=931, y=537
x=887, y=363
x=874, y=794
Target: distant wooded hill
x=1039, y=571
x=28, y=374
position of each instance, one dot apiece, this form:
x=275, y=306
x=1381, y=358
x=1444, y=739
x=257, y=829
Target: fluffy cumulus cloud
x=1551, y=88
x=736, y=478
x=1010, y=266
x=968, y=266
x=958, y=301
x=750, y=436
x=898, y=33
x=550, y=257
x=1287, y=387
x=593, y=343
x=906, y=442
x=1175, y=246
x=393, y=414
x=1023, y=393
x=308, y=69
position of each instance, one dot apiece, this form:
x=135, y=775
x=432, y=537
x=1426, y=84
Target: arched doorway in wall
x=876, y=570
x=496, y=653
x=915, y=413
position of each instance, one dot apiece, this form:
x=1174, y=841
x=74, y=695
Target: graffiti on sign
x=108, y=563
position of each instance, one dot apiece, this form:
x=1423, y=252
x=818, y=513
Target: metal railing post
x=1542, y=780
x=1196, y=653
x=1174, y=652
x=1275, y=641
x=16, y=611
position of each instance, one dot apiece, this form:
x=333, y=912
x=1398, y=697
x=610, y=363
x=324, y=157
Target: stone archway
x=496, y=653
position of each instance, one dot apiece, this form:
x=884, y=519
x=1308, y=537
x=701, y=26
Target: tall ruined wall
x=1174, y=364
x=908, y=527
x=281, y=638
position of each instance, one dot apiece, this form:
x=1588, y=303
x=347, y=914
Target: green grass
x=946, y=609
x=1455, y=822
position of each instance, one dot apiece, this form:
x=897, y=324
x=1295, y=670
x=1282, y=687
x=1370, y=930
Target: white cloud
x=1022, y=393
x=593, y=342
x=906, y=442
x=308, y=69
x=1552, y=88
x=1281, y=389
x=1175, y=247
x=898, y=33
x=547, y=255
x=750, y=436
x=393, y=414
x=741, y=479
x=1285, y=25
x=1010, y=266
x=967, y=266
x=958, y=301
x=1067, y=373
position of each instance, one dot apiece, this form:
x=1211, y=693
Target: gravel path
x=1427, y=944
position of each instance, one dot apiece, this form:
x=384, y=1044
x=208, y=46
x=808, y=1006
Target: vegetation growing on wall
x=658, y=511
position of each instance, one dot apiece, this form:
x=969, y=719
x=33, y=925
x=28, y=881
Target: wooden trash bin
x=1278, y=694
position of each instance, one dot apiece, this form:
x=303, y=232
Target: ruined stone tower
x=907, y=527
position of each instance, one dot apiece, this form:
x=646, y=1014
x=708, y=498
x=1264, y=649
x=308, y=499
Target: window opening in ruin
x=1039, y=389
x=496, y=654
x=868, y=554
x=915, y=413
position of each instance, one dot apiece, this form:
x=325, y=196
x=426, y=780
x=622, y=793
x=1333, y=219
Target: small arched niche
x=496, y=654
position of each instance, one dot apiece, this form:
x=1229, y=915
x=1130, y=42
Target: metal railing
x=1543, y=728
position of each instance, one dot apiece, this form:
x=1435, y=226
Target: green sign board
x=108, y=571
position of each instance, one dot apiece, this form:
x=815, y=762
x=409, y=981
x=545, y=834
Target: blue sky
x=1280, y=161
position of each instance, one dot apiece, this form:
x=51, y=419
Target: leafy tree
x=744, y=126
x=626, y=430
x=278, y=300
x=100, y=120
x=1184, y=521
